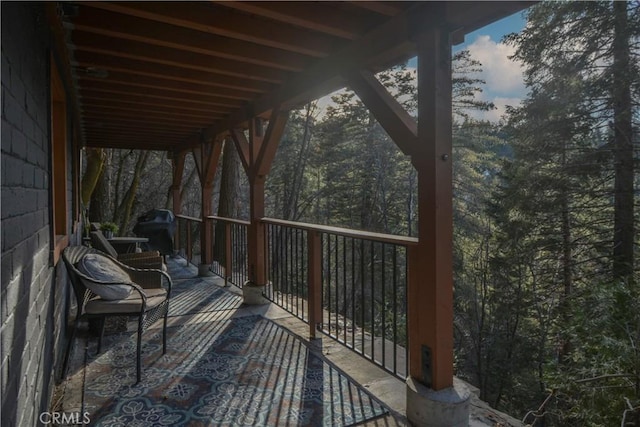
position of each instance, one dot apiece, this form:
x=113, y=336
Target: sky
x=504, y=85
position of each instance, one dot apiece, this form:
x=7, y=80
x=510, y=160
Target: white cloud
x=503, y=75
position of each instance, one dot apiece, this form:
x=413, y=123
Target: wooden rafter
x=232, y=61
x=330, y=21
x=201, y=70
x=202, y=17
x=398, y=123
x=184, y=72
x=133, y=35
x=184, y=88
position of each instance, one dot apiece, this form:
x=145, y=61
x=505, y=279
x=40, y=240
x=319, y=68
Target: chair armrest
x=136, y=255
x=149, y=279
x=153, y=263
x=90, y=294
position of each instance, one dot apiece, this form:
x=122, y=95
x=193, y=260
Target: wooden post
x=314, y=252
x=206, y=244
x=431, y=261
x=255, y=232
x=206, y=157
x=176, y=185
x=430, y=279
x=227, y=253
x=176, y=190
x=257, y=155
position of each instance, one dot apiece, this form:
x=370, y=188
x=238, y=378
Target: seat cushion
x=130, y=305
x=102, y=268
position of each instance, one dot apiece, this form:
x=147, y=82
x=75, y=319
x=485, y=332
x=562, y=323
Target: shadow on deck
x=226, y=364
x=232, y=364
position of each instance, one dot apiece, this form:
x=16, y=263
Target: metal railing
x=187, y=238
x=229, y=240
x=351, y=285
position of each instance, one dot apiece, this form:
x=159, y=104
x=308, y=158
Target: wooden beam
x=400, y=125
x=431, y=280
x=159, y=110
x=201, y=71
x=242, y=146
x=208, y=18
x=277, y=124
x=146, y=114
x=133, y=80
x=160, y=123
x=164, y=94
x=386, y=42
x=385, y=45
x=387, y=8
x=132, y=35
x=256, y=138
x=143, y=103
x=314, y=16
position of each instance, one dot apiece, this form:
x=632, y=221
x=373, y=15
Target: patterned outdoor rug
x=231, y=372
x=195, y=296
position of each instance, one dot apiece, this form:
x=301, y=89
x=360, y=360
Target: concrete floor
x=386, y=387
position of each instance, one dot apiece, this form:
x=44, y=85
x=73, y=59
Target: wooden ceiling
x=168, y=75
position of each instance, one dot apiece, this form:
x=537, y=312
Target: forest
x=546, y=208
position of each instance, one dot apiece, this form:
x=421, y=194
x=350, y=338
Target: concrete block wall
x=32, y=300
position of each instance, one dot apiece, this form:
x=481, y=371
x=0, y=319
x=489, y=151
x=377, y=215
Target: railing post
x=314, y=271
x=188, y=248
x=176, y=237
x=227, y=253
x=206, y=234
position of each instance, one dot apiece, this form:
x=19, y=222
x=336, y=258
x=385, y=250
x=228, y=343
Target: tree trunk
x=123, y=213
x=228, y=202
x=99, y=201
x=623, y=233
x=95, y=166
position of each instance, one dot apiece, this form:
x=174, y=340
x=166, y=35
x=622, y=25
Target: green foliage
x=109, y=226
x=605, y=368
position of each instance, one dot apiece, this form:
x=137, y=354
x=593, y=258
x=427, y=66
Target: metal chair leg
x=102, y=323
x=139, y=351
x=65, y=365
x=164, y=333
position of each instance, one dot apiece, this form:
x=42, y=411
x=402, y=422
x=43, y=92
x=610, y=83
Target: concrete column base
x=252, y=294
x=443, y=408
x=203, y=270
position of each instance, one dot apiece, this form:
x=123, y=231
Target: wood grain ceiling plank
x=107, y=117
x=210, y=66
x=121, y=35
x=208, y=18
x=325, y=17
x=159, y=95
x=111, y=63
x=159, y=110
x=120, y=145
x=117, y=129
x=147, y=114
x=173, y=85
x=142, y=102
x=387, y=44
x=388, y=8
x=138, y=143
